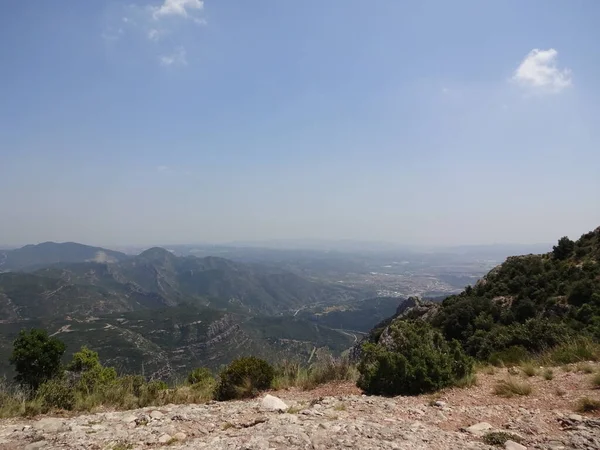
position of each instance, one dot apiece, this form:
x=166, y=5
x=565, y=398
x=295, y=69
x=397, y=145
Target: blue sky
x=178, y=121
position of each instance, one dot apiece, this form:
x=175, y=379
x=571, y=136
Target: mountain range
x=163, y=314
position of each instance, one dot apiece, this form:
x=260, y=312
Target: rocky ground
x=335, y=417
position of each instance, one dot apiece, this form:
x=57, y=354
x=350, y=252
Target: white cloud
x=539, y=71
x=154, y=34
x=177, y=58
x=177, y=8
x=163, y=169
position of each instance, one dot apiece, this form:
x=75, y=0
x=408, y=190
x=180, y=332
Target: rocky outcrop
x=334, y=422
x=411, y=308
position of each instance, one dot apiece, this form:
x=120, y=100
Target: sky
x=418, y=122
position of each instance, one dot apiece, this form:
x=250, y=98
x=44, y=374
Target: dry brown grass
x=510, y=387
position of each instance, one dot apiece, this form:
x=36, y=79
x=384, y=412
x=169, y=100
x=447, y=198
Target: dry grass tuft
x=511, y=387
x=587, y=404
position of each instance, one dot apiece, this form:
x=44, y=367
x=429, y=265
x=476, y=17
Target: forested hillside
x=526, y=305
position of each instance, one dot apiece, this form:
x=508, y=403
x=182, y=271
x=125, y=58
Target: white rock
x=51, y=425
x=156, y=415
x=130, y=418
x=576, y=417
x=164, y=439
x=440, y=404
x=479, y=429
x=512, y=445
x=36, y=445
x=180, y=436
x=272, y=403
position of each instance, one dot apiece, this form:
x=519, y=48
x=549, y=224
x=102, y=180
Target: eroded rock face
x=334, y=422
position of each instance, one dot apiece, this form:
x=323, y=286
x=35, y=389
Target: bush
x=243, y=378
x=56, y=394
x=36, y=357
x=201, y=375
x=411, y=358
x=85, y=359
x=499, y=438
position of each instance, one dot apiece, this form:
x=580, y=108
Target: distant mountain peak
x=156, y=253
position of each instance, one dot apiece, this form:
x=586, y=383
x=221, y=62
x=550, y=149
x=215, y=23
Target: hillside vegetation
x=525, y=306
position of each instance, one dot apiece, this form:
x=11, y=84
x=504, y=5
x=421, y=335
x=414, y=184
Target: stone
x=163, y=439
x=35, y=445
x=51, y=425
x=129, y=418
x=512, y=445
x=272, y=403
x=180, y=436
x=479, y=429
x=576, y=418
x=156, y=415
x=440, y=404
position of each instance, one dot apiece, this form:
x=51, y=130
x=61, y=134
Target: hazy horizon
x=417, y=123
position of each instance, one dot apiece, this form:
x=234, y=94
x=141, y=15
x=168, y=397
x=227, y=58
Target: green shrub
x=243, y=378
x=131, y=384
x=36, y=357
x=84, y=360
x=201, y=375
x=511, y=356
x=573, y=351
x=56, y=394
x=95, y=379
x=414, y=359
x=499, y=438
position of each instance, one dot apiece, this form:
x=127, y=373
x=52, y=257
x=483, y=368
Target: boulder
x=479, y=429
x=272, y=403
x=512, y=445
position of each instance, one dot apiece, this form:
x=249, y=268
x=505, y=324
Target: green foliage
x=36, y=357
x=509, y=356
x=573, y=351
x=85, y=359
x=528, y=304
x=56, y=394
x=200, y=375
x=243, y=378
x=564, y=249
x=499, y=438
x=414, y=359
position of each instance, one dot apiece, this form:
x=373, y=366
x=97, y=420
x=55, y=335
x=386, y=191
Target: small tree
x=36, y=357
x=243, y=378
x=564, y=249
x=93, y=374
